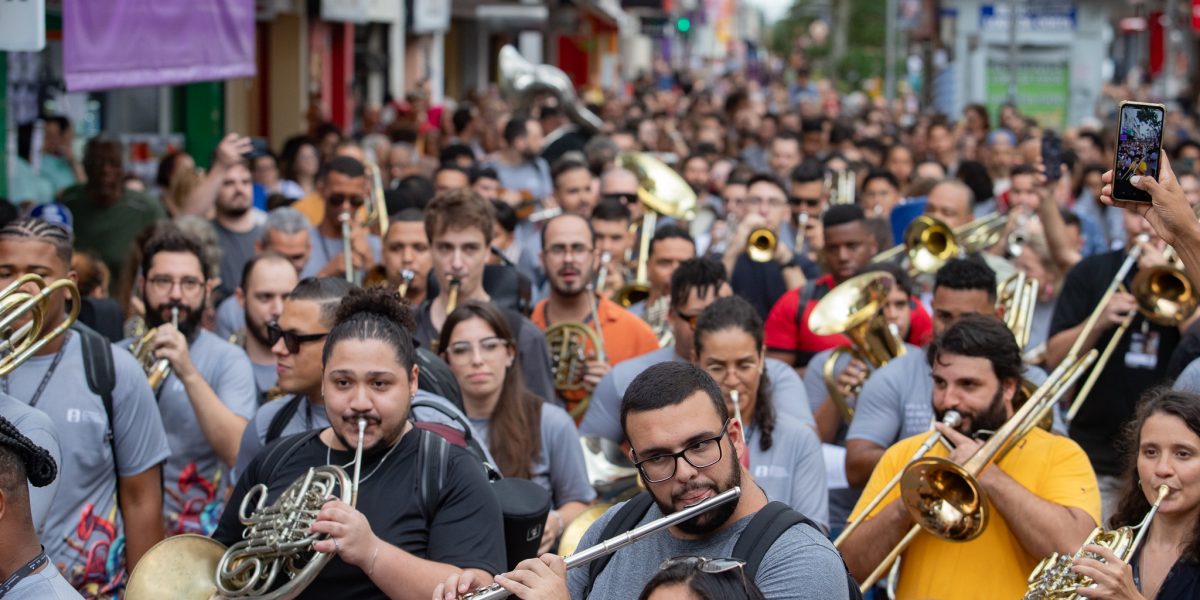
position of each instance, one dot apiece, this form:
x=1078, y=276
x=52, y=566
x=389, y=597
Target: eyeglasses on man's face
x=699, y=454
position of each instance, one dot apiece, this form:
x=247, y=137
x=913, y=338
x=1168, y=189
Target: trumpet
x=275, y=558
x=760, y=246
x=579, y=559
x=945, y=498
x=544, y=214
x=842, y=186
x=602, y=276
x=801, y=241
x=406, y=279
x=1053, y=577
x=157, y=369
x=347, y=252
x=929, y=242
x=19, y=344
x=452, y=295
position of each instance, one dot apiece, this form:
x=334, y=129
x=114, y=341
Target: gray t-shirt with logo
x=802, y=563
x=88, y=503
x=792, y=471
x=47, y=584
x=559, y=467
x=194, y=478
x=37, y=426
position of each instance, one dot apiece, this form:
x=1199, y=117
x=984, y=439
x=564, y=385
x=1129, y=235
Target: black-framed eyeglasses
x=291, y=339
x=803, y=201
x=340, y=199
x=703, y=564
x=622, y=198
x=700, y=455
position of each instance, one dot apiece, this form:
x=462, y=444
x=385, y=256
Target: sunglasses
x=291, y=339
x=802, y=201
x=702, y=564
x=622, y=198
x=340, y=199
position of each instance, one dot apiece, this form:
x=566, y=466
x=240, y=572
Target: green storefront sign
x=1042, y=89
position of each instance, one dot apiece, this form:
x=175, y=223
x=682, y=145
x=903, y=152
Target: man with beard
x=108, y=216
x=569, y=259
x=209, y=393
x=266, y=282
x=238, y=226
x=110, y=459
x=343, y=185
x=1042, y=495
x=519, y=164
x=675, y=411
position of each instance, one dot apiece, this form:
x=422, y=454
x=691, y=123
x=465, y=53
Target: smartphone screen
x=1052, y=158
x=1139, y=141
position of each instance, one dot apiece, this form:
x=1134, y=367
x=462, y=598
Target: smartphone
x=1139, y=147
x=258, y=147
x=1052, y=156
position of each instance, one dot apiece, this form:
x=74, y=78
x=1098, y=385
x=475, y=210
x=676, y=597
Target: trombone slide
x=347, y=252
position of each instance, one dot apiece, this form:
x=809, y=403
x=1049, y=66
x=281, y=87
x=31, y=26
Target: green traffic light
x=684, y=24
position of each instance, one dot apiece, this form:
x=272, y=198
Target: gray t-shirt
x=231, y=318
x=603, y=417
x=897, y=401
x=792, y=471
x=801, y=563
x=265, y=377
x=310, y=416
x=47, y=584
x=194, y=478
x=1189, y=379
x=559, y=467
x=237, y=248
x=530, y=175
x=531, y=350
x=88, y=502
x=37, y=426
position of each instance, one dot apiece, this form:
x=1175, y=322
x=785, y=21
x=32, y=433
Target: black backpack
x=752, y=545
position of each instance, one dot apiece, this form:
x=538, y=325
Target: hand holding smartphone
x=1139, y=148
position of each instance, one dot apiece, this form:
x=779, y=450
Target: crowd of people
x=392, y=301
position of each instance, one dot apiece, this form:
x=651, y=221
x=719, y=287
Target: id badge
x=1143, y=349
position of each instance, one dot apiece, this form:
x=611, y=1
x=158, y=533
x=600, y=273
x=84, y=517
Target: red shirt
x=787, y=325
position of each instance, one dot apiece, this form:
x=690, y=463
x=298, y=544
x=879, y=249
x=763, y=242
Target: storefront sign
x=22, y=25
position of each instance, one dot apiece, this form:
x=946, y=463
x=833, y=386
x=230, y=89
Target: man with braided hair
x=25, y=570
x=111, y=508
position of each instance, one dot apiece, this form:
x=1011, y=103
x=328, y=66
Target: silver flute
x=579, y=559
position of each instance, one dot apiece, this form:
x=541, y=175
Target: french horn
x=19, y=343
x=274, y=560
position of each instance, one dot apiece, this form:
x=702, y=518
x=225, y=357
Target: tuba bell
x=661, y=191
x=855, y=308
x=520, y=80
x=273, y=561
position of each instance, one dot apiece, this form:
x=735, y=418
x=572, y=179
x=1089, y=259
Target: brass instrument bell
x=760, y=246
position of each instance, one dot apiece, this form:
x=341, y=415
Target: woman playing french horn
x=384, y=544
x=1163, y=448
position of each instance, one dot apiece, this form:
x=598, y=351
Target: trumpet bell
x=760, y=247
x=632, y=293
x=1164, y=295
x=179, y=567
x=944, y=498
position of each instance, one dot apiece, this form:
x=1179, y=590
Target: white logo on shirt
x=769, y=471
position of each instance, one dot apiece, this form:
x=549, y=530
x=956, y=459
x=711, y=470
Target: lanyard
x=23, y=572
x=37, y=395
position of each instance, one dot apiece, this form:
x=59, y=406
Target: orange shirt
x=312, y=206
x=625, y=335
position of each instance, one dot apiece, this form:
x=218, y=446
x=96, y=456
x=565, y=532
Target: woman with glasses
x=528, y=438
x=699, y=578
x=784, y=454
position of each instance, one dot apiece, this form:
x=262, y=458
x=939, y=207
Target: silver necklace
x=329, y=459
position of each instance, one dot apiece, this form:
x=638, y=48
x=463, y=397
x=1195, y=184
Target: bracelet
x=374, y=555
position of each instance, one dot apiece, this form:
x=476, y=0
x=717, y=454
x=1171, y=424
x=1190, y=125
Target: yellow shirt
x=993, y=565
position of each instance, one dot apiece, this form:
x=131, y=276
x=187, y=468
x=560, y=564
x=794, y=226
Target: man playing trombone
x=1042, y=494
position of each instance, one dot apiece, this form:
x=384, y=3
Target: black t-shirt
x=1182, y=582
x=1138, y=363
x=762, y=283
x=466, y=530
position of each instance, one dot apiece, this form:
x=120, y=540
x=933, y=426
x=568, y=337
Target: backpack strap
x=280, y=420
x=101, y=379
x=281, y=451
x=432, y=459
x=762, y=532
x=464, y=438
x=806, y=294
x=627, y=517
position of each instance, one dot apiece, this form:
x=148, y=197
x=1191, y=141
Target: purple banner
x=129, y=43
